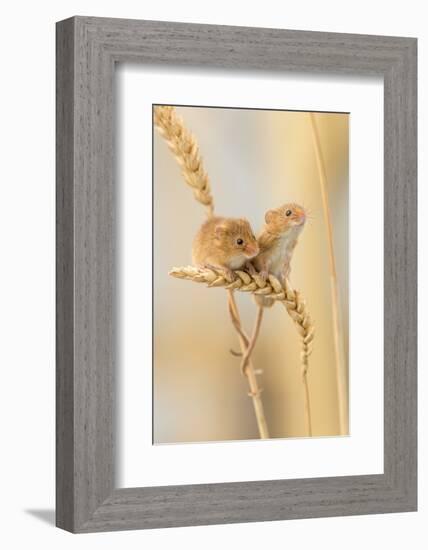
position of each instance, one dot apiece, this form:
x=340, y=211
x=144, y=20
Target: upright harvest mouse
x=277, y=242
x=225, y=243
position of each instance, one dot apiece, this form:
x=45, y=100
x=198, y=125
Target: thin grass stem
x=342, y=390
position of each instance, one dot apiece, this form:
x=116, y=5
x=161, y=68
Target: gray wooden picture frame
x=87, y=51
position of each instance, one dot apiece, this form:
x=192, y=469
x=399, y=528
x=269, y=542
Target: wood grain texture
x=87, y=50
x=64, y=277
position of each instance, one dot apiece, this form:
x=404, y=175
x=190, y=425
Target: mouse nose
x=252, y=250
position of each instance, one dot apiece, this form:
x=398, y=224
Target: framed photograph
x=236, y=274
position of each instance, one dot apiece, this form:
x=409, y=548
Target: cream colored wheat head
x=186, y=151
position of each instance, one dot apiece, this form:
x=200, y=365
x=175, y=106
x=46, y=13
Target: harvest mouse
x=277, y=242
x=225, y=243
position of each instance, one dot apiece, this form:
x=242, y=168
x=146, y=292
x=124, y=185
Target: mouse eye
x=288, y=213
x=239, y=241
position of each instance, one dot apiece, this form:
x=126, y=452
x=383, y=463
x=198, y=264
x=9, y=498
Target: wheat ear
x=186, y=151
x=271, y=288
x=334, y=291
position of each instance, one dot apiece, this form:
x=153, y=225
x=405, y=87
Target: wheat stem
x=334, y=291
x=307, y=398
x=186, y=151
x=308, y=416
x=245, y=343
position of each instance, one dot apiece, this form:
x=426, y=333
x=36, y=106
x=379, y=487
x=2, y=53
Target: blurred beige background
x=256, y=160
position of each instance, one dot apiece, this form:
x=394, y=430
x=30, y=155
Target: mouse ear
x=220, y=230
x=270, y=215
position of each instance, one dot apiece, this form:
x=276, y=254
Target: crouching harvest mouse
x=277, y=242
x=224, y=243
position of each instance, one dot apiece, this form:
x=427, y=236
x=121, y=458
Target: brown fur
x=216, y=245
x=277, y=242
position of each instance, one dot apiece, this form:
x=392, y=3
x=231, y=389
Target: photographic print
x=250, y=274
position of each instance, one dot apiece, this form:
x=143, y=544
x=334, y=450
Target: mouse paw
x=229, y=274
x=226, y=272
x=212, y=267
x=264, y=274
x=250, y=268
